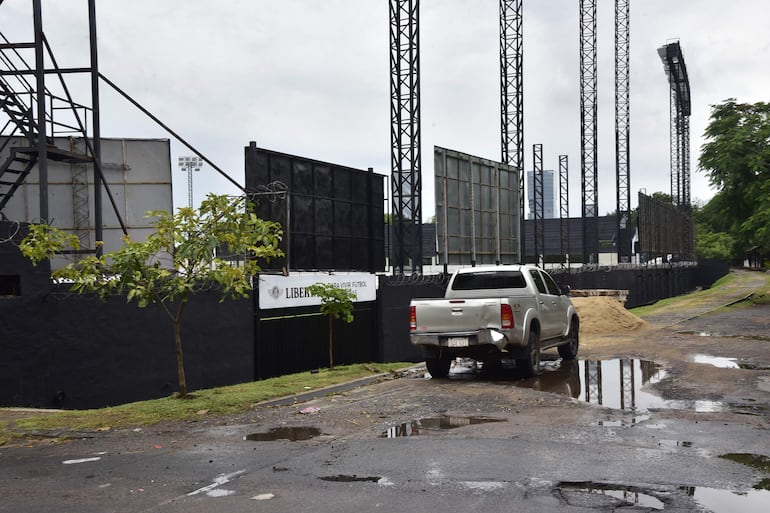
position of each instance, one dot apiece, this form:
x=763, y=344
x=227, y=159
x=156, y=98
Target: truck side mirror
x=565, y=290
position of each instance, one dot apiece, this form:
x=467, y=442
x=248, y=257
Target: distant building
x=549, y=211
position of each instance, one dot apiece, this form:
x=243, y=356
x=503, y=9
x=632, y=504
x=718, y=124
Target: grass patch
x=213, y=401
x=761, y=296
x=756, y=461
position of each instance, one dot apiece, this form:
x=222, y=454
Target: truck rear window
x=489, y=280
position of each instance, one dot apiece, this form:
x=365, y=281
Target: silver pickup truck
x=490, y=313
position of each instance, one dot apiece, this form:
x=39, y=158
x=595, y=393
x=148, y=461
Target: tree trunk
x=180, y=359
x=331, y=345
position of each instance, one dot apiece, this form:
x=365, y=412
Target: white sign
x=291, y=291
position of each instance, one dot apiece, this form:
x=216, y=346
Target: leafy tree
x=736, y=158
x=178, y=259
x=336, y=303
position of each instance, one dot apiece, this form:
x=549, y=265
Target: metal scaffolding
x=564, y=206
x=537, y=179
x=623, y=128
x=406, y=208
x=512, y=96
x=588, y=129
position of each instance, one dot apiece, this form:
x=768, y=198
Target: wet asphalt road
x=551, y=449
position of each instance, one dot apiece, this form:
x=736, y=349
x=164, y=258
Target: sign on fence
x=291, y=291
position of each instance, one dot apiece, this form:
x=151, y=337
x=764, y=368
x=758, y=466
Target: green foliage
x=179, y=258
x=336, y=302
x=736, y=158
x=719, y=246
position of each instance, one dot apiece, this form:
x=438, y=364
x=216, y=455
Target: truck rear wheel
x=569, y=349
x=530, y=365
x=438, y=367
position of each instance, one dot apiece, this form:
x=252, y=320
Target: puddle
x=726, y=501
x=619, y=497
x=607, y=496
x=717, y=361
x=751, y=366
x=292, y=434
x=424, y=426
x=617, y=383
x=696, y=333
x=624, y=422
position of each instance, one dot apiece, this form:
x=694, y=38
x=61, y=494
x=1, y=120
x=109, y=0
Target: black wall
x=65, y=350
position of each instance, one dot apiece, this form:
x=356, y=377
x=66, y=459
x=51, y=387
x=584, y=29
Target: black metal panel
x=337, y=213
x=664, y=230
x=290, y=340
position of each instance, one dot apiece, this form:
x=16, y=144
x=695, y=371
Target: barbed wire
x=403, y=280
x=14, y=226
x=272, y=192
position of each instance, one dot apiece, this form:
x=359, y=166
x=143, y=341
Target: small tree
x=175, y=261
x=336, y=303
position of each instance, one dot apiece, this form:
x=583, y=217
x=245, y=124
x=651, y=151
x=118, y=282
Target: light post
x=190, y=164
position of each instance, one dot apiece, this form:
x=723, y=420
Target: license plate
x=457, y=342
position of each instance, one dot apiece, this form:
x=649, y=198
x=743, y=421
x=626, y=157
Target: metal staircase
x=21, y=131
x=13, y=172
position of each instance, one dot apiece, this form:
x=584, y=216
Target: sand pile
x=605, y=314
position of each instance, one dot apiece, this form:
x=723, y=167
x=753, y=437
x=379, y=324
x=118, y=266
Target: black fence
x=71, y=351
x=297, y=339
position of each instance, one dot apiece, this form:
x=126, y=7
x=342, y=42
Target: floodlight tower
x=190, y=164
x=680, y=109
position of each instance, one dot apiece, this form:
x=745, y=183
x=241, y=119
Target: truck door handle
x=541, y=301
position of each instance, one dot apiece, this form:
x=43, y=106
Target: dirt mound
x=605, y=314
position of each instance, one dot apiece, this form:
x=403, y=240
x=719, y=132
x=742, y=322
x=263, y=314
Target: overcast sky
x=311, y=78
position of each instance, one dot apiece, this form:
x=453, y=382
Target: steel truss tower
x=539, y=225
x=680, y=109
x=564, y=206
x=588, y=129
x=512, y=97
x=406, y=208
x=622, y=129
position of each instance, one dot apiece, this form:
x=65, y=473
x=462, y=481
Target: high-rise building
x=549, y=212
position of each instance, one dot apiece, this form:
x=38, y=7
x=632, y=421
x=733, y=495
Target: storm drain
x=342, y=478
x=291, y=434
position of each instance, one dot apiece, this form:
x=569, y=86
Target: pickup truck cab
x=491, y=313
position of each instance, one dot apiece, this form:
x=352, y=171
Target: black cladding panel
x=337, y=213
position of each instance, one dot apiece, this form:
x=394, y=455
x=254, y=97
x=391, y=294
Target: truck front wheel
x=530, y=365
x=438, y=367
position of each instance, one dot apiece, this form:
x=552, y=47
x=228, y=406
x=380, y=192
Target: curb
x=333, y=389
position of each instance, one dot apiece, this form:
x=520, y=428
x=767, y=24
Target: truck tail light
x=412, y=318
x=506, y=317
